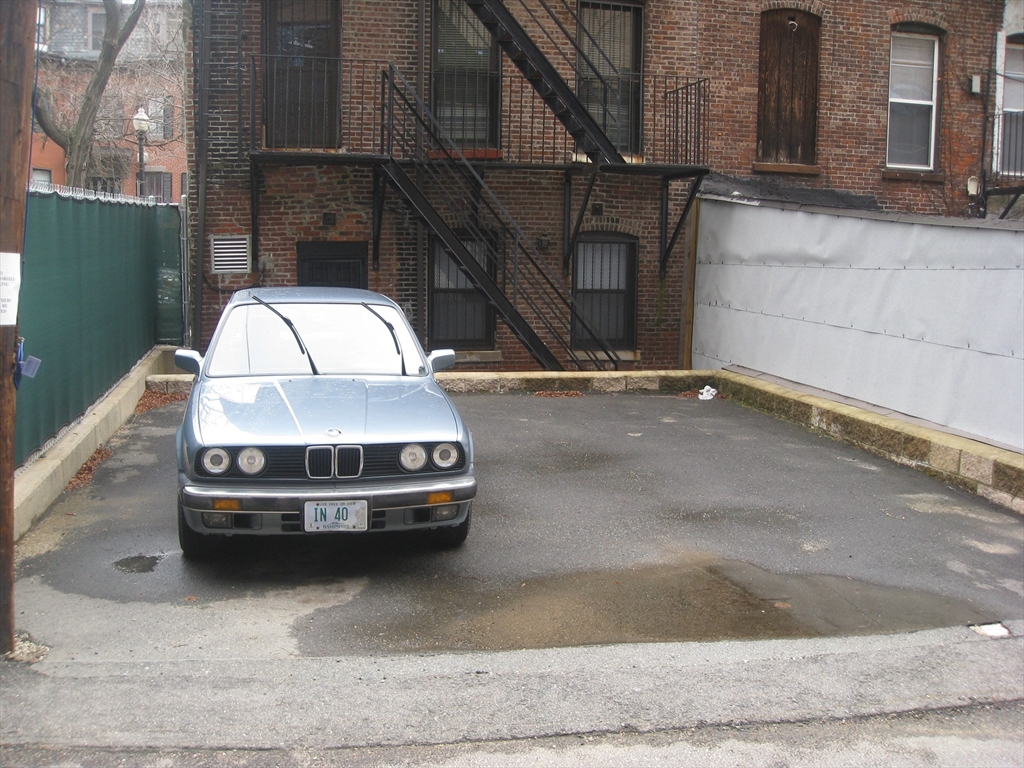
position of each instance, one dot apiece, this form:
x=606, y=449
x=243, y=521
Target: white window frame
x=998, y=130
x=93, y=13
x=933, y=102
x=42, y=29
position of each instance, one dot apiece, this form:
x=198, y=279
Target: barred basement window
x=230, y=253
x=604, y=291
x=460, y=317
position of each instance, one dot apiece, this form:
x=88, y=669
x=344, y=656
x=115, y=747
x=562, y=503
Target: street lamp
x=140, y=122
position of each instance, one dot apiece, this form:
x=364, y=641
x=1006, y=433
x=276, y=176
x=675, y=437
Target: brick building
x=149, y=73
x=520, y=176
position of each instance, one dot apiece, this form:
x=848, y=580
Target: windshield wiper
x=394, y=335
x=295, y=332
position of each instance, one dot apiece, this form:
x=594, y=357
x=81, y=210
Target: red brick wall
x=853, y=95
x=717, y=39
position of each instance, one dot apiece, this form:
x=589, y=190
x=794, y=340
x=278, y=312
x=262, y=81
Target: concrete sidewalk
x=994, y=473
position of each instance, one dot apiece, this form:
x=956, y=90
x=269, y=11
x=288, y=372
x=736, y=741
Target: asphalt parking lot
x=616, y=541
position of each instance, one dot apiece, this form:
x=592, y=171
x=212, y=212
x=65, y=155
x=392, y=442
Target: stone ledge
x=170, y=382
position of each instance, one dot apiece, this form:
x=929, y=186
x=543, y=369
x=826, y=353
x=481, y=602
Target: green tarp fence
x=101, y=285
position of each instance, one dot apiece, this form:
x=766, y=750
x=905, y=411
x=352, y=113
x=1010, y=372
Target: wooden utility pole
x=17, y=53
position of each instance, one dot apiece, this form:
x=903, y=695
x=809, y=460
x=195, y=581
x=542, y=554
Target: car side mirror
x=188, y=360
x=440, y=359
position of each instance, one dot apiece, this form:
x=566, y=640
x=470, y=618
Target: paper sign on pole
x=10, y=285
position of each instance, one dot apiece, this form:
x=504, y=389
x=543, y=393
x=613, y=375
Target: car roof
x=311, y=295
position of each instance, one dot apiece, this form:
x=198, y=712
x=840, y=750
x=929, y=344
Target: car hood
x=303, y=410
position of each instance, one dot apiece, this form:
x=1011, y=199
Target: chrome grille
x=349, y=461
x=319, y=462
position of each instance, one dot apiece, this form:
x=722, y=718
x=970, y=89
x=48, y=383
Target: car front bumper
x=278, y=509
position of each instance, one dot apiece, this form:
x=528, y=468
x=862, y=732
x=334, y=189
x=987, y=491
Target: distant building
x=148, y=73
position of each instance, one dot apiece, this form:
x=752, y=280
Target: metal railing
x=314, y=104
x=415, y=137
x=333, y=105
x=609, y=93
x=684, y=128
x=1008, y=147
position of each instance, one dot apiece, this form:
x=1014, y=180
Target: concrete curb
x=993, y=473
x=42, y=481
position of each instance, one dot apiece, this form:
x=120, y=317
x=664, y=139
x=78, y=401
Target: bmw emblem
x=332, y=432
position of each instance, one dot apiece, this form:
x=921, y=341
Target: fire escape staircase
x=434, y=178
x=545, y=79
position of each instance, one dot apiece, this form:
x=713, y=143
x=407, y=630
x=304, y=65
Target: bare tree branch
x=58, y=135
x=78, y=139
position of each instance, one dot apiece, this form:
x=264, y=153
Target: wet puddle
x=137, y=563
x=702, y=599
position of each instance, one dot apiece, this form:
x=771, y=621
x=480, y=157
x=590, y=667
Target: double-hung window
x=609, y=69
x=97, y=29
x=913, y=101
x=467, y=76
x=604, y=291
x=158, y=185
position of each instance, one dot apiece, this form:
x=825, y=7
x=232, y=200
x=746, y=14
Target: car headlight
x=445, y=456
x=251, y=460
x=412, y=457
x=216, y=461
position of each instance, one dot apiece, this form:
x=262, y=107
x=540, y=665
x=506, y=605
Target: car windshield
x=341, y=338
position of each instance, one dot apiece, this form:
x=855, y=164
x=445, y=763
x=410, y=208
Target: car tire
x=454, y=535
x=195, y=546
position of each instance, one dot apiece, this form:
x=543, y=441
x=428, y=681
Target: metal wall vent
x=230, y=254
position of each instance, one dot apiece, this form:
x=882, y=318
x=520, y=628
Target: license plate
x=334, y=516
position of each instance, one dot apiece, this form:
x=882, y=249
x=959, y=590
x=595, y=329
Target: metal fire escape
x=545, y=79
x=437, y=181
x=425, y=166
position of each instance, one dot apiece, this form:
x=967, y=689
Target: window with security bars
x=1010, y=122
x=913, y=100
x=466, y=76
x=609, y=69
x=604, y=291
x=460, y=317
x=787, y=95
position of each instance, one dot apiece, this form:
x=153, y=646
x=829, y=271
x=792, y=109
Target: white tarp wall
x=924, y=317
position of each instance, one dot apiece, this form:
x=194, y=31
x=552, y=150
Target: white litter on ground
x=708, y=393
x=991, y=630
